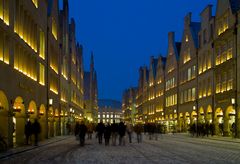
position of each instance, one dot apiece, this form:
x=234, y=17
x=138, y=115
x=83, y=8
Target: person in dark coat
x=107, y=134
x=138, y=130
x=82, y=133
x=36, y=128
x=77, y=130
x=28, y=131
x=114, y=130
x=100, y=130
x=121, y=132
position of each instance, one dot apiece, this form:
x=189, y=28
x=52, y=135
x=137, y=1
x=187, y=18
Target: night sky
x=123, y=34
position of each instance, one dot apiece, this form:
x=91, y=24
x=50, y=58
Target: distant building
x=109, y=110
x=129, y=105
x=91, y=93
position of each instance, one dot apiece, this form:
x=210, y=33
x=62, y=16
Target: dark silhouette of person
x=114, y=130
x=90, y=130
x=82, y=133
x=68, y=126
x=36, y=128
x=138, y=130
x=100, y=130
x=76, y=132
x=107, y=134
x=121, y=132
x=28, y=131
x=129, y=132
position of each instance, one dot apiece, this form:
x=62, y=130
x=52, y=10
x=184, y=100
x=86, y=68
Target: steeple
x=92, y=59
x=65, y=8
x=92, y=63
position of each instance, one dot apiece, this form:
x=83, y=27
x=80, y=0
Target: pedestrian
x=138, y=130
x=212, y=129
x=90, y=130
x=129, y=132
x=68, y=127
x=114, y=130
x=82, y=133
x=107, y=134
x=28, y=131
x=121, y=132
x=36, y=128
x=76, y=131
x=100, y=130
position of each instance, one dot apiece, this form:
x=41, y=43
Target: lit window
x=35, y=2
x=193, y=93
x=54, y=28
x=4, y=48
x=4, y=11
x=42, y=45
x=41, y=74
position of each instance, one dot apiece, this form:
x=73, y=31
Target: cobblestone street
x=177, y=148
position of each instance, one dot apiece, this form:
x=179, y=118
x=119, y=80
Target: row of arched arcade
x=223, y=119
x=15, y=113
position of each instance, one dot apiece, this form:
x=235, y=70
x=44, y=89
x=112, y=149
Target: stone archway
x=209, y=114
x=19, y=120
x=56, y=122
x=201, y=115
x=32, y=111
x=42, y=121
x=181, y=122
x=193, y=117
x=218, y=121
x=4, y=120
x=50, y=122
x=229, y=119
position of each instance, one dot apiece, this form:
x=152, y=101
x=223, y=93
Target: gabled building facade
x=171, y=81
x=41, y=69
x=187, y=104
x=91, y=93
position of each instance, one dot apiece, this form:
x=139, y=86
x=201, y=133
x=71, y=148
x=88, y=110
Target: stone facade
x=41, y=69
x=129, y=105
x=200, y=78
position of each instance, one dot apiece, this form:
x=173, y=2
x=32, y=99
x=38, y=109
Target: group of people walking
x=32, y=129
x=107, y=131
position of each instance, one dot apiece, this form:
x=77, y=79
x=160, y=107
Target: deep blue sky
x=123, y=34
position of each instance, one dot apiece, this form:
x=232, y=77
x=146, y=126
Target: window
x=4, y=11
x=35, y=2
x=4, y=48
x=193, y=93
x=186, y=56
x=189, y=94
x=25, y=62
x=189, y=73
x=24, y=26
x=230, y=80
x=229, y=52
x=42, y=45
x=41, y=74
x=54, y=28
